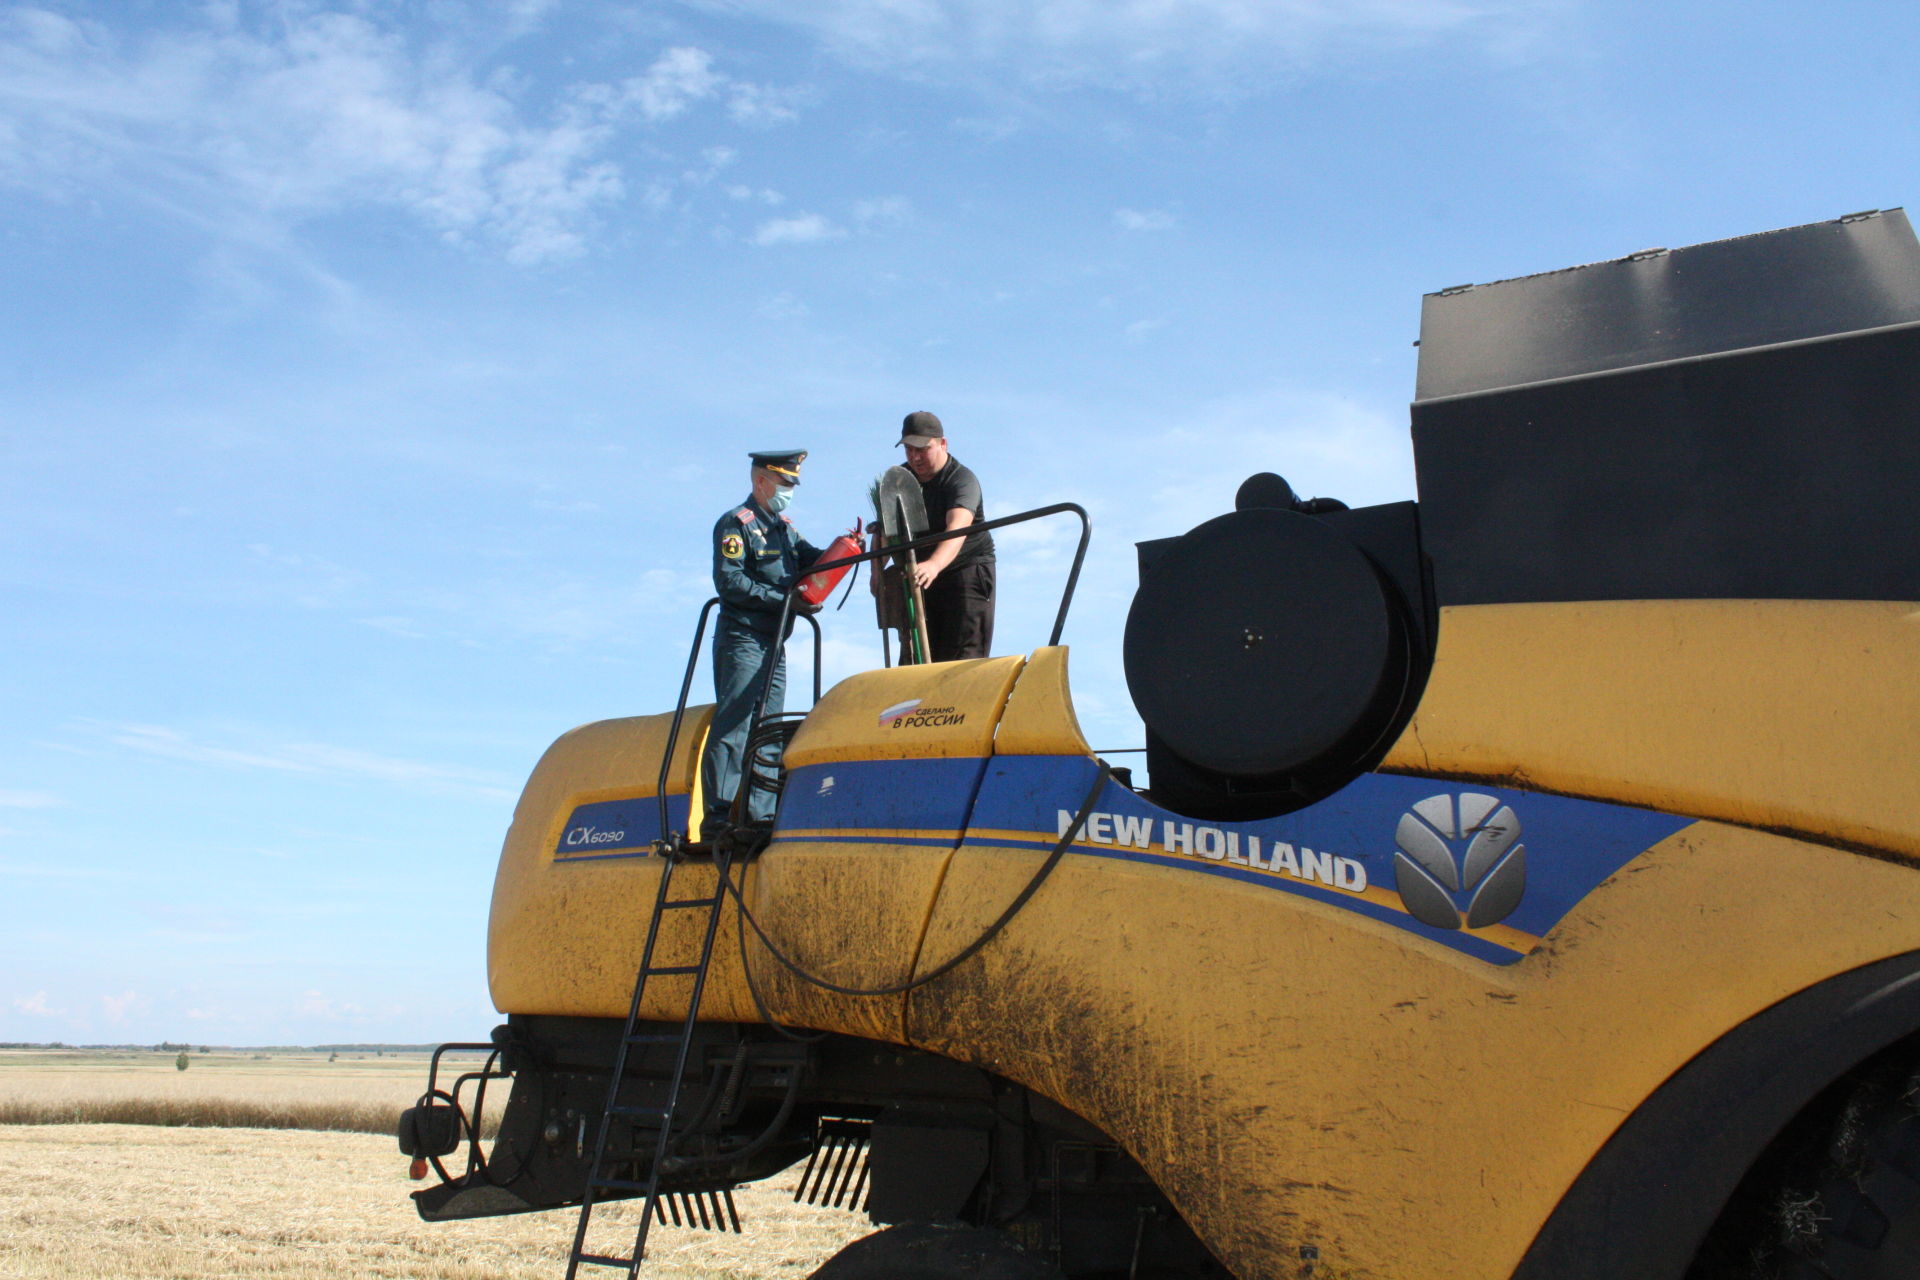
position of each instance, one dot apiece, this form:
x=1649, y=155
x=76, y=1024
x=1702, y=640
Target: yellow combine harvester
x=1526, y=886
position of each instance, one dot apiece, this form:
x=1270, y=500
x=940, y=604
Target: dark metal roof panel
x=1853, y=273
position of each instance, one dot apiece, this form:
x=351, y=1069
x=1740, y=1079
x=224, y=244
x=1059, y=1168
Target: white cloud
x=35, y=1004
x=315, y=1004
x=254, y=122
x=712, y=161
x=310, y=758
x=782, y=306
x=677, y=80
x=884, y=212
x=310, y=581
x=765, y=195
x=28, y=800
x=405, y=628
x=1325, y=445
x=1192, y=46
x=115, y=1008
x=807, y=228
x=755, y=104
x=1138, y=220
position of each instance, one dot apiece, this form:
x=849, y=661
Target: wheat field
x=157, y=1201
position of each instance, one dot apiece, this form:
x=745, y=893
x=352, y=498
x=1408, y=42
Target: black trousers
x=960, y=612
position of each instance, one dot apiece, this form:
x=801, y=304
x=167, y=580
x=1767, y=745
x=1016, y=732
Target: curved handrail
x=928, y=540
x=680, y=711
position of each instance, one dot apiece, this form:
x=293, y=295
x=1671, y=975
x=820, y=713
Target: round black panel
x=1260, y=643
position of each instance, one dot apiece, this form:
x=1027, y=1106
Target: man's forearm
x=941, y=555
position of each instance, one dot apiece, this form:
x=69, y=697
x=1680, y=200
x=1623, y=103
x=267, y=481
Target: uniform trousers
x=740, y=658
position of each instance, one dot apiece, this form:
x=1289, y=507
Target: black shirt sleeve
x=964, y=491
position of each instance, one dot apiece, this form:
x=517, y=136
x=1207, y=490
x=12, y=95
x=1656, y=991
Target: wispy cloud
x=758, y=104
x=807, y=228
x=782, y=306
x=1143, y=220
x=677, y=80
x=116, y=1008
x=28, y=800
x=35, y=1005
x=1140, y=330
x=1324, y=444
x=868, y=217
x=316, y=1004
x=765, y=195
x=314, y=759
x=886, y=211
x=267, y=118
x=1184, y=46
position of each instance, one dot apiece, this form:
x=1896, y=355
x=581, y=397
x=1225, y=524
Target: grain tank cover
x=1855, y=273
x=1737, y=420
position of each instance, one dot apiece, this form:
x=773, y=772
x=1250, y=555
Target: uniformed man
x=757, y=553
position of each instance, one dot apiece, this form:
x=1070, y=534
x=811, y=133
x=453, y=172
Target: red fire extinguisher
x=818, y=586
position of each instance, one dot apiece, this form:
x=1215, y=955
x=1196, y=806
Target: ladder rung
x=668, y=971
x=689, y=902
x=605, y=1260
x=618, y=1184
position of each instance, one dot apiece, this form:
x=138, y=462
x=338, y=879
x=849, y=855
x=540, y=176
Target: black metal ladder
x=649, y=1187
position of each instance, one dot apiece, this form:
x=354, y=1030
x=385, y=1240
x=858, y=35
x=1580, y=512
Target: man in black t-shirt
x=956, y=575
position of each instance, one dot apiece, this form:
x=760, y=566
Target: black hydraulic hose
x=760, y=1005
x=851, y=579
x=681, y=1164
x=1101, y=774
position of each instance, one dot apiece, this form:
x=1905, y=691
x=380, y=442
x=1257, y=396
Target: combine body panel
x=1537, y=931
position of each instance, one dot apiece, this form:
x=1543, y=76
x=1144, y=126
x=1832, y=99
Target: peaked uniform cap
x=784, y=463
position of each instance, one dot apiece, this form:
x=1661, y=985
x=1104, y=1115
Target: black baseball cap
x=921, y=429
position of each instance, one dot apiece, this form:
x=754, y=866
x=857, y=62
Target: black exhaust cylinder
x=1274, y=656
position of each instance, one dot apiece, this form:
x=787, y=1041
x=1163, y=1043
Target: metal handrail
x=680, y=711
x=928, y=540
x=786, y=616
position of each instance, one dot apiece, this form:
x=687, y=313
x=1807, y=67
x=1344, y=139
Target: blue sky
x=371, y=374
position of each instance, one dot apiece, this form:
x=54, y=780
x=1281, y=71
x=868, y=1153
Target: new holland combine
x=1526, y=884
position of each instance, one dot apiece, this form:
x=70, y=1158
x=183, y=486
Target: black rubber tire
x=925, y=1251
x=1867, y=1206
x=1838, y=1195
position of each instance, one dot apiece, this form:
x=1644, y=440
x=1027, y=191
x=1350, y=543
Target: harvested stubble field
x=82, y=1201
x=275, y=1090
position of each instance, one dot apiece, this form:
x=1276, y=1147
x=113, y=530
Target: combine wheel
x=923, y=1251
x=1866, y=1211
x=1837, y=1200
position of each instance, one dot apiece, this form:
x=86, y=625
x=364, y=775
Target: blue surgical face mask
x=777, y=500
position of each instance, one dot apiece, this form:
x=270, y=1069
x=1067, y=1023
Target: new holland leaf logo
x=1434, y=873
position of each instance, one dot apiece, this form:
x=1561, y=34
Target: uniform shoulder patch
x=744, y=515
x=731, y=547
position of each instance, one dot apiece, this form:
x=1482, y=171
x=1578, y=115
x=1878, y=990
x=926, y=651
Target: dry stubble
x=134, y=1202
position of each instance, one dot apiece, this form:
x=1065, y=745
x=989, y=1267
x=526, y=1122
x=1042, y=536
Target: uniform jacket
x=755, y=558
